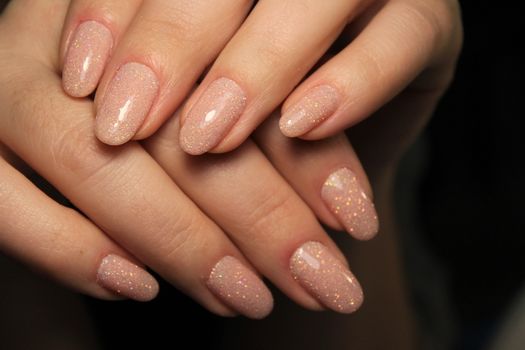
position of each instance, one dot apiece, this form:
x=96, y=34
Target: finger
x=92, y=30
x=403, y=39
x=127, y=194
x=265, y=218
x=165, y=50
x=65, y=245
x=328, y=176
x=267, y=57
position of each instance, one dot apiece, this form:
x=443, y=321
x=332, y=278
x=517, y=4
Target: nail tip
x=126, y=104
x=108, y=139
x=288, y=132
x=326, y=278
x=240, y=288
x=126, y=279
x=211, y=118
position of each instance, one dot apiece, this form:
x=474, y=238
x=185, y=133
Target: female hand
x=207, y=245
x=149, y=54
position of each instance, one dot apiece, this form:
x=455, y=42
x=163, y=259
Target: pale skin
x=302, y=165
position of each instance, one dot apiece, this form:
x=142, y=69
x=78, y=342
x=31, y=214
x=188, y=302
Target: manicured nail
x=214, y=114
x=85, y=59
x=326, y=278
x=346, y=199
x=126, y=103
x=318, y=104
x=127, y=279
x=240, y=288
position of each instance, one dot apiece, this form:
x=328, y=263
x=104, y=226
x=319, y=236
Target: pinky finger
x=64, y=245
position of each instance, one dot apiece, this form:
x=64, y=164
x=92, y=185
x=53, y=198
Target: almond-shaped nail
x=318, y=104
x=127, y=279
x=345, y=197
x=240, y=288
x=212, y=116
x=126, y=103
x=86, y=57
x=326, y=278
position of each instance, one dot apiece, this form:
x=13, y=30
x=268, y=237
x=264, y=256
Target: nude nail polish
x=318, y=104
x=240, y=288
x=86, y=57
x=127, y=279
x=126, y=103
x=212, y=116
x=343, y=194
x=326, y=278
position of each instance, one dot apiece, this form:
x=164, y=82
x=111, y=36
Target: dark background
x=474, y=185
x=468, y=205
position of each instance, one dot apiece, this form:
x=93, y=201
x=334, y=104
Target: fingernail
x=127, y=279
x=318, y=104
x=326, y=278
x=240, y=288
x=86, y=57
x=214, y=114
x=346, y=199
x=126, y=103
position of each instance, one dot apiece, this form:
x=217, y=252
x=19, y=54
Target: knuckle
x=434, y=19
x=74, y=150
x=177, y=238
x=270, y=211
x=273, y=52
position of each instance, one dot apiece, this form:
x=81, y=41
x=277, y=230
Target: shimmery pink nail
x=326, y=278
x=214, y=114
x=318, y=104
x=240, y=288
x=125, y=278
x=347, y=200
x=126, y=103
x=86, y=57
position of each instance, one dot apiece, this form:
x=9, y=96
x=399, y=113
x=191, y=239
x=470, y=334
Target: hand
x=223, y=217
x=149, y=54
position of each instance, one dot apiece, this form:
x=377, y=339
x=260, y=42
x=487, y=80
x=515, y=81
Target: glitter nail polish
x=86, y=57
x=318, y=104
x=126, y=103
x=326, y=278
x=240, y=288
x=212, y=116
x=127, y=279
x=346, y=199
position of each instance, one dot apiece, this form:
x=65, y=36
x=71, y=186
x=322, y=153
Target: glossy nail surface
x=326, y=278
x=86, y=57
x=126, y=103
x=240, y=288
x=212, y=116
x=344, y=196
x=127, y=279
x=318, y=104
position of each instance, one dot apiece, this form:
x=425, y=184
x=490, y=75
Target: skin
x=408, y=100
x=382, y=48
x=166, y=222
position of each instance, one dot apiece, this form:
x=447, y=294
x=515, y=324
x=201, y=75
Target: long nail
x=240, y=288
x=127, y=279
x=86, y=57
x=318, y=104
x=214, y=114
x=126, y=103
x=350, y=204
x=326, y=278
